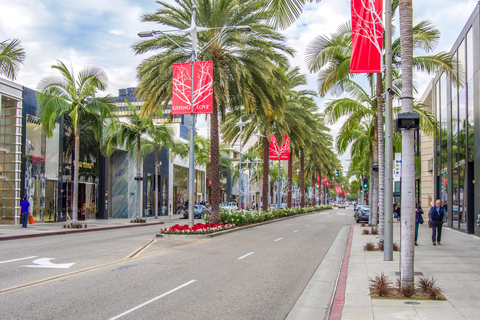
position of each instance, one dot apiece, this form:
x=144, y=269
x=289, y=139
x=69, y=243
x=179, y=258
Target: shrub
x=395, y=247
x=406, y=290
x=365, y=231
x=363, y=224
x=374, y=231
x=380, y=286
x=380, y=246
x=369, y=246
x=427, y=287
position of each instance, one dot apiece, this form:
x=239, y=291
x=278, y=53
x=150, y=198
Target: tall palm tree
x=243, y=64
x=129, y=135
x=408, y=156
x=160, y=135
x=11, y=56
x=75, y=96
x=285, y=12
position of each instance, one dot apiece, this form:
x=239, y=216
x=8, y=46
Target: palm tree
x=129, y=135
x=11, y=56
x=160, y=135
x=408, y=156
x=75, y=96
x=285, y=12
x=243, y=64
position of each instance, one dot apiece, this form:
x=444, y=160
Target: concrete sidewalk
x=455, y=265
x=40, y=229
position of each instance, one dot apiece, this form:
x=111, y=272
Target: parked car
x=274, y=205
x=232, y=206
x=199, y=211
x=362, y=213
x=341, y=205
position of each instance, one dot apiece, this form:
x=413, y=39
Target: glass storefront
x=41, y=170
x=10, y=151
x=180, y=186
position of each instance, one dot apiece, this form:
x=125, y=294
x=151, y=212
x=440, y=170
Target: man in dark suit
x=435, y=217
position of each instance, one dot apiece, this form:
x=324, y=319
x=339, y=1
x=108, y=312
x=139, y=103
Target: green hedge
x=240, y=218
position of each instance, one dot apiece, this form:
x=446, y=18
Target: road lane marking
x=140, y=250
x=307, y=226
x=248, y=254
x=295, y=231
x=152, y=300
x=45, y=263
x=93, y=268
x=19, y=259
x=278, y=239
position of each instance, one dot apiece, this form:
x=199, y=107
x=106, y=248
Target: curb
x=56, y=233
x=339, y=295
x=216, y=234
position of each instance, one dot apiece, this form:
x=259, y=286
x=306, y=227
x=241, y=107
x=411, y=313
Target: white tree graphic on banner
x=203, y=87
x=368, y=29
x=277, y=152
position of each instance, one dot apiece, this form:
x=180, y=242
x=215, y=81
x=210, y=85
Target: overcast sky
x=100, y=33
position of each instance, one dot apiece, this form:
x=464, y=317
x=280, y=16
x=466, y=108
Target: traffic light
x=337, y=173
x=361, y=191
x=365, y=183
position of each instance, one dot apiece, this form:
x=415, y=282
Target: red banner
x=282, y=152
x=325, y=181
x=367, y=36
x=202, y=88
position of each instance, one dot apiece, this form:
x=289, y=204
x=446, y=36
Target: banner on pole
x=279, y=153
x=202, y=88
x=367, y=36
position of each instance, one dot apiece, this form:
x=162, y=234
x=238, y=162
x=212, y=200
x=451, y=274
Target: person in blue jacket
x=435, y=216
x=418, y=220
x=25, y=212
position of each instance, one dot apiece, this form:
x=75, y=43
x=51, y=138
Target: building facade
x=456, y=156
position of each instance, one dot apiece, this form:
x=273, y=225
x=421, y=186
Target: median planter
x=197, y=229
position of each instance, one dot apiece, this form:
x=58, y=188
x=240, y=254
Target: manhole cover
x=411, y=302
x=397, y=273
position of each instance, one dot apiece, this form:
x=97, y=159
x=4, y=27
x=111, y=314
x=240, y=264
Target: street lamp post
x=241, y=124
x=193, y=31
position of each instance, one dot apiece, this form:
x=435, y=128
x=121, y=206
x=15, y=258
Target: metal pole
x=279, y=199
x=388, y=230
x=191, y=167
x=240, y=191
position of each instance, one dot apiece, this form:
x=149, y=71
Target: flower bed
x=240, y=218
x=198, y=228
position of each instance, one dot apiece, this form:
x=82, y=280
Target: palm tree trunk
x=381, y=159
x=314, y=199
x=302, y=179
x=75, y=175
x=408, y=156
x=290, y=180
x=156, y=182
x=215, y=165
x=266, y=166
x=139, y=182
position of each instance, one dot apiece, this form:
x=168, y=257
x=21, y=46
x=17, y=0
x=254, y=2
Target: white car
x=231, y=206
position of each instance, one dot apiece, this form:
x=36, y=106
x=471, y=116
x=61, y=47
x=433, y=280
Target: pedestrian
x=398, y=211
x=418, y=220
x=435, y=220
x=25, y=212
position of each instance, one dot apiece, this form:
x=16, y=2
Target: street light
x=241, y=124
x=192, y=31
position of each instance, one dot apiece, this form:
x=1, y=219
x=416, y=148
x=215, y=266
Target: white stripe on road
x=26, y=258
x=295, y=231
x=307, y=225
x=152, y=300
x=278, y=239
x=248, y=254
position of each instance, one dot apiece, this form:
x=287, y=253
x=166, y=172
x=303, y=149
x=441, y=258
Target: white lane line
x=307, y=226
x=26, y=258
x=248, y=254
x=278, y=239
x=295, y=231
x=152, y=300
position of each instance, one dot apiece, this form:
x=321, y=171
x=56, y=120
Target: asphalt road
x=257, y=273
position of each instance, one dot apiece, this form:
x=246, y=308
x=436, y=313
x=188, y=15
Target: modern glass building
x=456, y=156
